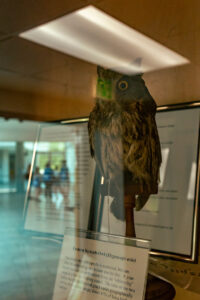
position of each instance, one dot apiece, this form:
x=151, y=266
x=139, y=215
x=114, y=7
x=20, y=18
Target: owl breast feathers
x=124, y=139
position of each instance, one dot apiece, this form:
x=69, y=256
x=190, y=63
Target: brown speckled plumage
x=124, y=138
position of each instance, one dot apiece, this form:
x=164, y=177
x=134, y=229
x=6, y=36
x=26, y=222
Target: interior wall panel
x=16, y=16
x=36, y=69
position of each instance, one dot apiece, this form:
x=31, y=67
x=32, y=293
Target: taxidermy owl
x=123, y=138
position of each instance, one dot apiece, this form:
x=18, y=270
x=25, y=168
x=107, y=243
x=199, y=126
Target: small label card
x=91, y=269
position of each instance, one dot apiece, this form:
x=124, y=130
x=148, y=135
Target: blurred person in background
x=36, y=183
x=56, y=181
x=64, y=179
x=48, y=179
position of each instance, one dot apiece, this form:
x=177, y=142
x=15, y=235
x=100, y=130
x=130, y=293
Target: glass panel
x=101, y=265
x=53, y=58
x=60, y=188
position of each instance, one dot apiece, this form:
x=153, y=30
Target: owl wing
x=105, y=136
x=142, y=153
x=136, y=150
x=95, y=142
x=155, y=149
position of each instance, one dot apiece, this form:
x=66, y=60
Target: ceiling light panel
x=94, y=36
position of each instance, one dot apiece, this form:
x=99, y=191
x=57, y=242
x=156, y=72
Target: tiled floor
x=28, y=265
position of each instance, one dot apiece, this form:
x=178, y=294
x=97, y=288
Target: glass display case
x=99, y=150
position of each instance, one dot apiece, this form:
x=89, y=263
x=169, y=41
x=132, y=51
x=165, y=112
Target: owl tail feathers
x=141, y=200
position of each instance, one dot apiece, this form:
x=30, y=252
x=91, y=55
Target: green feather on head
x=105, y=83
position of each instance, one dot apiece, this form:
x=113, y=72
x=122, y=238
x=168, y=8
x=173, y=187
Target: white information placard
x=169, y=218
x=61, y=184
x=93, y=269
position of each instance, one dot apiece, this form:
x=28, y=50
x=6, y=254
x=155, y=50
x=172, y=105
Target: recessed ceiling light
x=96, y=37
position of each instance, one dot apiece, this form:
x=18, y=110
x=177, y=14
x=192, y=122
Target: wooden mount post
x=157, y=289
x=129, y=203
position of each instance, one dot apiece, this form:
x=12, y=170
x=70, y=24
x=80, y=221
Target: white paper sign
x=167, y=219
x=91, y=269
x=68, y=204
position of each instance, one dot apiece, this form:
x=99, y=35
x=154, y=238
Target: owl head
x=116, y=86
x=125, y=89
x=131, y=88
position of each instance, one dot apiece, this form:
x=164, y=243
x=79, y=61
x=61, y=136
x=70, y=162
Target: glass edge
x=31, y=170
x=78, y=232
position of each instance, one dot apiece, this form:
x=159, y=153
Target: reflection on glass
x=94, y=36
x=192, y=182
x=61, y=181
x=7, y=167
x=165, y=156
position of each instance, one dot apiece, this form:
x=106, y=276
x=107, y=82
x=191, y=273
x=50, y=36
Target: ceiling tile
x=16, y=16
x=23, y=57
x=58, y=82
x=14, y=81
x=156, y=19
x=176, y=85
x=25, y=65
x=76, y=73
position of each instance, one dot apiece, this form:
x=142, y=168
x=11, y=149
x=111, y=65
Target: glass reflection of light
x=59, y=202
x=165, y=156
x=191, y=187
x=57, y=199
x=84, y=50
x=7, y=145
x=46, y=146
x=123, y=32
x=94, y=36
x=71, y=160
x=29, y=146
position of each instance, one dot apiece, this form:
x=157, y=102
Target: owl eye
x=123, y=85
